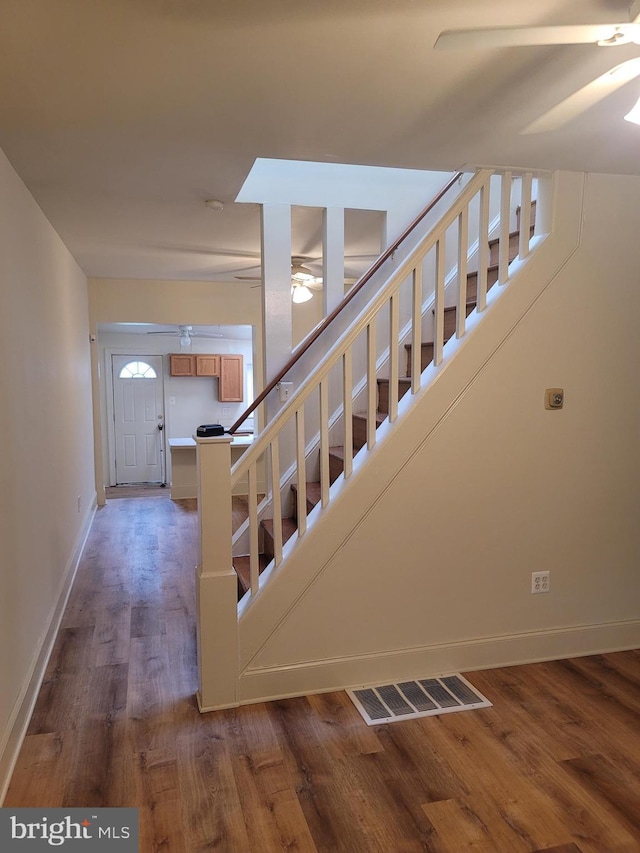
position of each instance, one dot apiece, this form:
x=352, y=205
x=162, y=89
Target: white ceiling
x=124, y=116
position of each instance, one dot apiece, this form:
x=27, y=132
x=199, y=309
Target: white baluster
x=372, y=385
x=438, y=340
x=347, y=396
x=483, y=247
x=505, y=229
x=394, y=335
x=302, y=473
x=324, y=441
x=254, y=555
x=416, y=329
x=276, y=501
x=525, y=215
x=463, y=248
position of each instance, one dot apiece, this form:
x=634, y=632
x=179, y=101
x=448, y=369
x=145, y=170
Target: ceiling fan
x=601, y=35
x=186, y=333
x=303, y=280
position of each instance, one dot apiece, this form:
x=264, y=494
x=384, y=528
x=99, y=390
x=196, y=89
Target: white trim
x=15, y=732
x=320, y=676
x=109, y=407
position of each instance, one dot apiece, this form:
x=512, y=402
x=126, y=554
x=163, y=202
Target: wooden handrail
x=319, y=329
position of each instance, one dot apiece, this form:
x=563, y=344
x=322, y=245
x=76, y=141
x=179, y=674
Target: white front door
x=138, y=406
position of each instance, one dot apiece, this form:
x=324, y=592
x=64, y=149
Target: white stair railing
x=387, y=301
x=423, y=284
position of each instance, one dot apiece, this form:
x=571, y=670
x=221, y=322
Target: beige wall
x=150, y=301
x=46, y=433
x=424, y=563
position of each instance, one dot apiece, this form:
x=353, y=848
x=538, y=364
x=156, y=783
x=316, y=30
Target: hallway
x=553, y=766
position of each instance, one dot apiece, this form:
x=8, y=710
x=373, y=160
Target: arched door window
x=137, y=370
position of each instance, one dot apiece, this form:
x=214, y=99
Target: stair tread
x=512, y=234
x=289, y=527
x=314, y=492
x=362, y=416
x=493, y=267
x=470, y=303
x=401, y=379
x=241, y=566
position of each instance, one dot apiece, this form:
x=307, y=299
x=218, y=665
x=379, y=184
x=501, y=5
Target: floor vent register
x=426, y=697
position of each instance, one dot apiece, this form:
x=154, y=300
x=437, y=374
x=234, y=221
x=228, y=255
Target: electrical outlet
x=540, y=582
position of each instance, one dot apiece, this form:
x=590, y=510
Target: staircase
x=359, y=421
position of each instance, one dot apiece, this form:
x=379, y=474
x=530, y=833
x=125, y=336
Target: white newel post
x=216, y=582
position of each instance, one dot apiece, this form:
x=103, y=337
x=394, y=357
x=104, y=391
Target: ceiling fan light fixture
x=634, y=114
x=300, y=293
x=185, y=338
x=304, y=277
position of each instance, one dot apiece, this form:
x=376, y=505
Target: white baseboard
x=15, y=731
x=260, y=685
x=184, y=491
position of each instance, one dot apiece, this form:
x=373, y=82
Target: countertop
x=186, y=443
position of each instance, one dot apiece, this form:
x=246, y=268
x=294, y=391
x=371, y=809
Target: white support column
x=276, y=282
x=332, y=258
x=216, y=581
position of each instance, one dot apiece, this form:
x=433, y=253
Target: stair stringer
x=271, y=667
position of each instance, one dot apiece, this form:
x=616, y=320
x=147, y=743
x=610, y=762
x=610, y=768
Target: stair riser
x=426, y=349
x=472, y=285
x=336, y=467
x=426, y=356
x=359, y=432
x=310, y=506
x=383, y=393
x=514, y=245
x=289, y=527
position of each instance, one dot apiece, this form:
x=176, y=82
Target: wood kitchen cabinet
x=198, y=364
x=181, y=364
x=231, y=379
x=229, y=369
x=207, y=365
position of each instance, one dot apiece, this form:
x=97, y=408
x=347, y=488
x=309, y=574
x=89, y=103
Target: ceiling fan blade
x=205, y=250
x=233, y=253
x=162, y=333
x=586, y=97
x=491, y=37
x=248, y=277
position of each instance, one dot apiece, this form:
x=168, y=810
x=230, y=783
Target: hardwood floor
x=554, y=766
x=141, y=490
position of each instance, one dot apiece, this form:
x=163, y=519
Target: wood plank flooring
x=553, y=766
